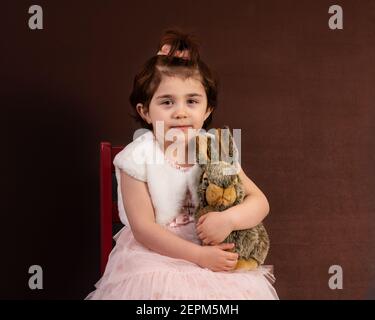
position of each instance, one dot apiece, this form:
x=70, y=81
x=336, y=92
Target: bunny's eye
x=204, y=177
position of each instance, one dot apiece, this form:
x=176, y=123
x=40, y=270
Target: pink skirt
x=134, y=272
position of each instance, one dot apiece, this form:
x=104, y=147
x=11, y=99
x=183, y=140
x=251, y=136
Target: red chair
x=108, y=200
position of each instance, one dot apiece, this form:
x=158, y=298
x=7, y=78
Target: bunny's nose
x=220, y=201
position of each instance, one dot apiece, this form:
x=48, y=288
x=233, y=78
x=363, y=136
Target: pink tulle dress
x=135, y=272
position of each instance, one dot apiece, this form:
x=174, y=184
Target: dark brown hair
x=149, y=77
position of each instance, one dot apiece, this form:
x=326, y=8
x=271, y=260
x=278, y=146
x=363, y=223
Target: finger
x=208, y=241
x=226, y=246
x=232, y=255
x=232, y=263
x=215, y=242
x=201, y=233
x=233, y=258
x=202, y=218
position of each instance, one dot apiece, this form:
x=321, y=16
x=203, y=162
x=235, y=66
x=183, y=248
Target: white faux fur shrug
x=143, y=159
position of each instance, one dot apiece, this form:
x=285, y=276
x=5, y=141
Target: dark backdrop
x=302, y=94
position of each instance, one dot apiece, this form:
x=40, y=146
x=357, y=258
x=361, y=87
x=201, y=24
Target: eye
x=205, y=178
x=193, y=101
x=167, y=102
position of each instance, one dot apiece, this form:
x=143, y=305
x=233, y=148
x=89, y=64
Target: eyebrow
x=171, y=96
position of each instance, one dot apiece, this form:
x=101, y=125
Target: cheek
x=158, y=114
x=199, y=117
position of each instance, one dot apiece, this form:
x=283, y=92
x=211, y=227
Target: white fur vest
x=144, y=160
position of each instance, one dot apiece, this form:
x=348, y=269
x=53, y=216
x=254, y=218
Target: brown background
x=302, y=94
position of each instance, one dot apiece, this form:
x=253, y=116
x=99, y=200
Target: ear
x=208, y=112
x=143, y=112
x=213, y=147
x=201, y=151
x=226, y=144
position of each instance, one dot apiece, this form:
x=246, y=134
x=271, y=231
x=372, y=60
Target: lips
x=182, y=127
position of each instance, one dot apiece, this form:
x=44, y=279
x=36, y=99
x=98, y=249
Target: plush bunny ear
x=226, y=144
x=201, y=143
x=215, y=145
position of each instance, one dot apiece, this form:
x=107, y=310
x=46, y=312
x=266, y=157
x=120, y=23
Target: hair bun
x=180, y=41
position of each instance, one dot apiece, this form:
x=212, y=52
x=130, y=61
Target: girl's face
x=177, y=102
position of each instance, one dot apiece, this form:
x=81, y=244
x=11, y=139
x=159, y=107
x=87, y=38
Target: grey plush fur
x=249, y=243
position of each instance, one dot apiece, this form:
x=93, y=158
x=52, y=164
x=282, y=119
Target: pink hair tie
x=184, y=54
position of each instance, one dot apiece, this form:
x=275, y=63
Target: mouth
x=182, y=127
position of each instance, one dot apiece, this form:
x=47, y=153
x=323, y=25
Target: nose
x=180, y=112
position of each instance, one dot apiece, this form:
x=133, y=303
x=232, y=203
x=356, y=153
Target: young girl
x=161, y=253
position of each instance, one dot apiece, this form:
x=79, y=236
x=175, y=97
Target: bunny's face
x=219, y=190
x=217, y=196
x=220, y=186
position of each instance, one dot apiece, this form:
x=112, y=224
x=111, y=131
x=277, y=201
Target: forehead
x=176, y=85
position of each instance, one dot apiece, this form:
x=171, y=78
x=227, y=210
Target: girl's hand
x=213, y=228
x=216, y=258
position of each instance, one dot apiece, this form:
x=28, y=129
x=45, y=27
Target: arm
x=140, y=213
x=214, y=227
x=252, y=210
